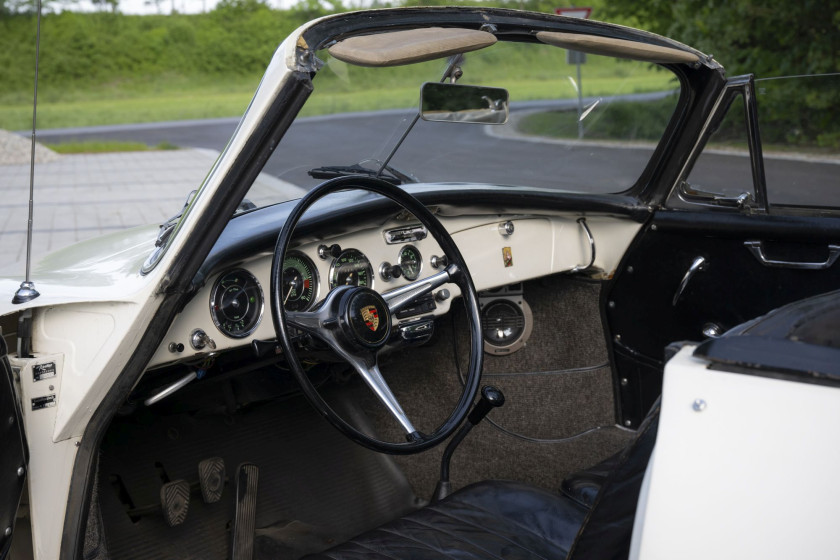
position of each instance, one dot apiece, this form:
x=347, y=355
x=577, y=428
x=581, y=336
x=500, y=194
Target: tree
x=769, y=38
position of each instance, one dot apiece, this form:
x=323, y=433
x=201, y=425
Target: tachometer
x=236, y=303
x=300, y=282
x=411, y=262
x=351, y=268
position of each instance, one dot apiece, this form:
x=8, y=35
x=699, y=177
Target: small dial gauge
x=300, y=282
x=236, y=303
x=411, y=262
x=351, y=268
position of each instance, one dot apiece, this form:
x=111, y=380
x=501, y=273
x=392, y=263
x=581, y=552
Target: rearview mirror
x=442, y=102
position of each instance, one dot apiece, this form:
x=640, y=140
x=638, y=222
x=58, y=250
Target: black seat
x=512, y=520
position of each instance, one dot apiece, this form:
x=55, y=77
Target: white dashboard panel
x=539, y=246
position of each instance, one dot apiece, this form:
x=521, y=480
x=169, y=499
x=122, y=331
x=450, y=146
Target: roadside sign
x=577, y=58
x=582, y=13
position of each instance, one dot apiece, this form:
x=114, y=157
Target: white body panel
x=51, y=463
x=753, y=475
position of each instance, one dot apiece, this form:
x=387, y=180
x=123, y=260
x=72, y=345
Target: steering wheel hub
x=365, y=318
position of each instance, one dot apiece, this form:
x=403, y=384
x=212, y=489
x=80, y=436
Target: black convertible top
x=797, y=342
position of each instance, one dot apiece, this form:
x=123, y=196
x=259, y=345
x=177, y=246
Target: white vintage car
x=271, y=378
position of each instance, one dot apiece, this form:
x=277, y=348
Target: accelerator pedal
x=211, y=479
x=175, y=501
x=244, y=524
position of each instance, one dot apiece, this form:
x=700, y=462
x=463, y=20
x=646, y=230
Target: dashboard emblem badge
x=507, y=256
x=371, y=317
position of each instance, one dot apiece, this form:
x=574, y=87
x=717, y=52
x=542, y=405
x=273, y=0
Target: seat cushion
x=491, y=519
x=583, y=486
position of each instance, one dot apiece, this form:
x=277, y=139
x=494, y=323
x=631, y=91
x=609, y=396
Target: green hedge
x=83, y=51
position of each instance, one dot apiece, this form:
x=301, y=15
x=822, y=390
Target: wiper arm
x=393, y=176
x=167, y=227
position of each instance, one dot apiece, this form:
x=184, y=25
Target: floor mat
x=316, y=487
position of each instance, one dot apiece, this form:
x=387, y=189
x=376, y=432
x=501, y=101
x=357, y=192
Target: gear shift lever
x=491, y=398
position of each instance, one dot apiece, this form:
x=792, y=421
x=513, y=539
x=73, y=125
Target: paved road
x=470, y=153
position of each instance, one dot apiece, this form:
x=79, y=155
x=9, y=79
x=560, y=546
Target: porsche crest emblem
x=370, y=315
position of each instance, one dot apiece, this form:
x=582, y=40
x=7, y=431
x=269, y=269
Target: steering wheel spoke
x=400, y=297
x=308, y=321
x=373, y=378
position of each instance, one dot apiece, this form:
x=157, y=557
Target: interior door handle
x=756, y=248
x=698, y=264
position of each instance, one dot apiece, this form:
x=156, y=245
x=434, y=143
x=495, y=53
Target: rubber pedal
x=211, y=479
x=245, y=521
x=175, y=501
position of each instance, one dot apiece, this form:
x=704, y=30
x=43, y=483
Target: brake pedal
x=175, y=501
x=211, y=479
x=245, y=521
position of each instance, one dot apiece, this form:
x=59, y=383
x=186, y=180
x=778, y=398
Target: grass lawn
x=338, y=89
x=104, y=146
x=170, y=106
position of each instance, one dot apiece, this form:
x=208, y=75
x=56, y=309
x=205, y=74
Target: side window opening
x=799, y=120
x=799, y=128
x=722, y=174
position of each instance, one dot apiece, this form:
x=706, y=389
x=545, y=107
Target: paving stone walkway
x=78, y=197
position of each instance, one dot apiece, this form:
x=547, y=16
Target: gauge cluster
x=239, y=295
x=379, y=258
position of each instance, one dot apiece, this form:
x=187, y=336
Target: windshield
x=578, y=123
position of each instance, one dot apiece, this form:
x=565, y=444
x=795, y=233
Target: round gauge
x=300, y=282
x=411, y=262
x=351, y=268
x=236, y=303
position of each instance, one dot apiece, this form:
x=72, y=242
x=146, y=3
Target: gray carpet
x=556, y=387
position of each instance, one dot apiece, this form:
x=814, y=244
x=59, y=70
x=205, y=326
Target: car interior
x=219, y=449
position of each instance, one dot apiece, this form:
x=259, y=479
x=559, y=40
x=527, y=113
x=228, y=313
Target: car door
x=14, y=455
x=723, y=248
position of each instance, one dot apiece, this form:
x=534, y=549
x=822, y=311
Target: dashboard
x=232, y=309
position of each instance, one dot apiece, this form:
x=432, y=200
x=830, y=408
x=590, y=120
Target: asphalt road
x=447, y=152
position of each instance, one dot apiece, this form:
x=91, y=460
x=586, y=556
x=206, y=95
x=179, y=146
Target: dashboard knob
x=326, y=252
x=438, y=262
x=506, y=228
x=388, y=271
x=442, y=294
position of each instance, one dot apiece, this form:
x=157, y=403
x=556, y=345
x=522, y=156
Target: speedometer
x=300, y=282
x=351, y=268
x=236, y=303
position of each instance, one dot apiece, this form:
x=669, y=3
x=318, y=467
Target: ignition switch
x=199, y=339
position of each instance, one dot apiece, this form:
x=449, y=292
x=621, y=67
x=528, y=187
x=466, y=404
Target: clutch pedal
x=244, y=524
x=175, y=501
x=211, y=479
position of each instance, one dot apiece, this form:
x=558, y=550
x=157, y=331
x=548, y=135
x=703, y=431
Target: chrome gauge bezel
x=316, y=278
x=214, y=314
x=410, y=278
x=369, y=268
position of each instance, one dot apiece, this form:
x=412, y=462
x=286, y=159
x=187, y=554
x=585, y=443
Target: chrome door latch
x=757, y=250
x=699, y=264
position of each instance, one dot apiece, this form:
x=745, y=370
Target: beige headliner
x=408, y=46
x=619, y=48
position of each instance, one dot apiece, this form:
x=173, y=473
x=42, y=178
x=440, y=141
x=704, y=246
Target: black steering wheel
x=356, y=322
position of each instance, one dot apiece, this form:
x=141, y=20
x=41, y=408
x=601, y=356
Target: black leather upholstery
x=583, y=486
x=512, y=520
x=608, y=527
x=491, y=519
